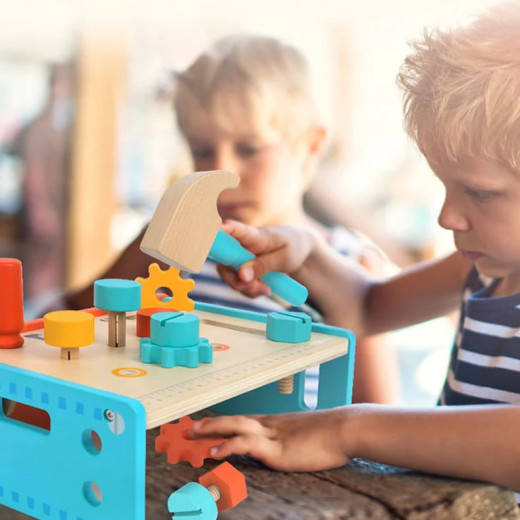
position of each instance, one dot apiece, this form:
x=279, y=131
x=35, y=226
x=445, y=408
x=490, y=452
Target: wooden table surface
x=361, y=490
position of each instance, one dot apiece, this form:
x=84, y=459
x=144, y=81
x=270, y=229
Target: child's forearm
x=131, y=263
x=473, y=442
x=344, y=292
x=337, y=286
x=349, y=297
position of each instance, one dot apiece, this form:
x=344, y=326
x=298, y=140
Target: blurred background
x=85, y=102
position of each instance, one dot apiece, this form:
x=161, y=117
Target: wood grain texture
x=250, y=362
x=360, y=491
x=103, y=75
x=186, y=220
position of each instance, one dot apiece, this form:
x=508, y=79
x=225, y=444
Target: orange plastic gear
x=170, y=279
x=174, y=441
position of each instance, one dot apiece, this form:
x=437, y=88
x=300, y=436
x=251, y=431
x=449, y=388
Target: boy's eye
x=479, y=195
x=245, y=150
x=202, y=154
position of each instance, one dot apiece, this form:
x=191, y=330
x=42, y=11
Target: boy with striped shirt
x=462, y=107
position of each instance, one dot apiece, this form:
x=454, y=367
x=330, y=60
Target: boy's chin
x=486, y=270
x=239, y=213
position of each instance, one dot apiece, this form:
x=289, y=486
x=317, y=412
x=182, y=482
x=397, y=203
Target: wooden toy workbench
x=90, y=462
x=243, y=359
x=73, y=423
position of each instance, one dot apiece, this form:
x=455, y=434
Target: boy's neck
x=506, y=287
x=291, y=217
x=300, y=218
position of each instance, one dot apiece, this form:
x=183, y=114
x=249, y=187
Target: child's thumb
x=259, y=266
x=247, y=272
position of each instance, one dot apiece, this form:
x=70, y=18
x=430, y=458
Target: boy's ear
x=317, y=139
x=314, y=148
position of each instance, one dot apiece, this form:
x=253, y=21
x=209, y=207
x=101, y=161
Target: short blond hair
x=256, y=78
x=462, y=90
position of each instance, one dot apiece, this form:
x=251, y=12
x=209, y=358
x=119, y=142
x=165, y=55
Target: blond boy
x=462, y=106
x=247, y=105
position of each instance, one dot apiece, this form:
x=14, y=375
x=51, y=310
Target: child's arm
x=343, y=291
x=473, y=442
x=130, y=264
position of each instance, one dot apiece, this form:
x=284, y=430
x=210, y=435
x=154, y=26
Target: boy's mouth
x=472, y=256
x=231, y=209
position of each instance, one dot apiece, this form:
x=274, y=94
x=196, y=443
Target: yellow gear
x=170, y=279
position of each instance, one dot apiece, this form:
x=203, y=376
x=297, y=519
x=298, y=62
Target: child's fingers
x=227, y=426
x=255, y=289
x=271, y=246
x=230, y=276
x=266, y=263
x=249, y=288
x=242, y=232
x=256, y=446
x=256, y=240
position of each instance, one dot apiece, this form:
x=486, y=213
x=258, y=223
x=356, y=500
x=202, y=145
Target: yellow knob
x=68, y=329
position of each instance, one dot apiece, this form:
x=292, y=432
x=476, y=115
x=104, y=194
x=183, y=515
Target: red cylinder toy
x=142, y=329
x=11, y=303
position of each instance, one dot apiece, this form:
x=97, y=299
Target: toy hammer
x=185, y=230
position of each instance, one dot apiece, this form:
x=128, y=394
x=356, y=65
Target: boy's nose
x=452, y=219
x=224, y=160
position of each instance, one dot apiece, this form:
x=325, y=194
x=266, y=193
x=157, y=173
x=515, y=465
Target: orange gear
x=170, y=279
x=174, y=441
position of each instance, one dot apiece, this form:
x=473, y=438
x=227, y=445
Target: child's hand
x=308, y=441
x=276, y=248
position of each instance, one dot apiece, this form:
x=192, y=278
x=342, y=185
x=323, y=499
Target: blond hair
x=462, y=90
x=257, y=79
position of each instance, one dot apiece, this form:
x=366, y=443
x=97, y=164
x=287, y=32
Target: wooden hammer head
x=186, y=220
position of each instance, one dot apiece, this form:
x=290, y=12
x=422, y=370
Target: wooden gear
x=174, y=441
x=170, y=279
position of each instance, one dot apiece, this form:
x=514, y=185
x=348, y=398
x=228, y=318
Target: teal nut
x=288, y=327
x=169, y=357
x=174, y=329
x=193, y=502
x=117, y=295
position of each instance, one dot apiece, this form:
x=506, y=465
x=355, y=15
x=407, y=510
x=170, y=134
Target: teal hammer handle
x=227, y=250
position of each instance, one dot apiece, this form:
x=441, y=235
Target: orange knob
x=11, y=303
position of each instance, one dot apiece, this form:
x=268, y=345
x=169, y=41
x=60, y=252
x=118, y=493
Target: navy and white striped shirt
x=485, y=361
